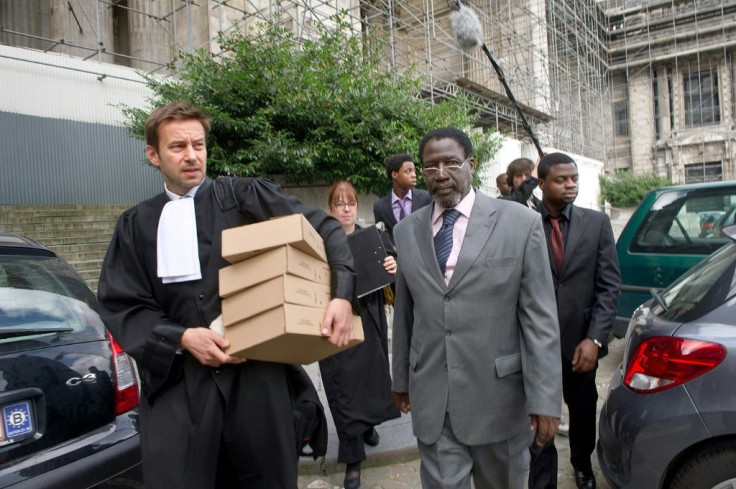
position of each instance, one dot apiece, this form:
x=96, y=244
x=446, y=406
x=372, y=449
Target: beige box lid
x=241, y=242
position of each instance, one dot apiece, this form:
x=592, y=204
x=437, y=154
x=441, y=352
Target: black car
x=68, y=393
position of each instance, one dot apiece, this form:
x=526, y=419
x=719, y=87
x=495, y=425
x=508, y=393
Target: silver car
x=669, y=420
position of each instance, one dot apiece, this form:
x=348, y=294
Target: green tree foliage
x=627, y=190
x=307, y=112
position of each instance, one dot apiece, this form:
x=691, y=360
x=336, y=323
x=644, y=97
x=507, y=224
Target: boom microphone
x=466, y=28
x=468, y=33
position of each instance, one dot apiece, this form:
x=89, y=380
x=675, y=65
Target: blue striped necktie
x=443, y=238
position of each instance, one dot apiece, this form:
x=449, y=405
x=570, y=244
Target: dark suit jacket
x=588, y=286
x=384, y=212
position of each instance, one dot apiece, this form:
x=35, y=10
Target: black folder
x=369, y=251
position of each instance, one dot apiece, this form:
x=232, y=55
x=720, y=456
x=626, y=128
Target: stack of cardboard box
x=276, y=291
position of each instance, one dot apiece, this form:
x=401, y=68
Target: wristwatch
x=597, y=343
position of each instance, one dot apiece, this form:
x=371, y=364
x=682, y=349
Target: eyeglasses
x=341, y=205
x=451, y=165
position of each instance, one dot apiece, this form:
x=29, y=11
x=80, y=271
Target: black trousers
x=581, y=396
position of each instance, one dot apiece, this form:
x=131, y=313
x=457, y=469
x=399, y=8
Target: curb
x=323, y=466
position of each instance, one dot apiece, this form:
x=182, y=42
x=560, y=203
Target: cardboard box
x=272, y=293
x=243, y=241
x=259, y=268
x=286, y=334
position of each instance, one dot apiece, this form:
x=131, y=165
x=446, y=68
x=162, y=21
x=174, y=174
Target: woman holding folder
x=357, y=381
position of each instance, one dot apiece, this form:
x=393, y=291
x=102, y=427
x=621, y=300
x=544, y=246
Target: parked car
x=68, y=393
x=669, y=420
x=670, y=231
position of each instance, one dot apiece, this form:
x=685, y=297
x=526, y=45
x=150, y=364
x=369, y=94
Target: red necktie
x=556, y=243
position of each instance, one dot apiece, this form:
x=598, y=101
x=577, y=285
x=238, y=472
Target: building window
x=621, y=118
x=704, y=172
x=701, y=98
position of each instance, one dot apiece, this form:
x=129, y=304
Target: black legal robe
x=358, y=381
x=190, y=411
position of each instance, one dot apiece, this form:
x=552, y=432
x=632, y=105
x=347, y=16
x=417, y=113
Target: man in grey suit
x=475, y=334
x=404, y=197
x=587, y=280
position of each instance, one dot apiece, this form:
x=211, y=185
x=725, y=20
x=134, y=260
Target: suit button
x=448, y=333
x=447, y=298
x=201, y=297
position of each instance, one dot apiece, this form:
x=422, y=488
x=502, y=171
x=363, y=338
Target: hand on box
x=338, y=322
x=208, y=347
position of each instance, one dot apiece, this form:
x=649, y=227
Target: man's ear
x=152, y=155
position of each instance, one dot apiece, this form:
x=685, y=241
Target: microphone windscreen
x=466, y=28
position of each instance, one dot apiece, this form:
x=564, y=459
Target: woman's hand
x=390, y=265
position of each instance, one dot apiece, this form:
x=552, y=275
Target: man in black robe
x=208, y=419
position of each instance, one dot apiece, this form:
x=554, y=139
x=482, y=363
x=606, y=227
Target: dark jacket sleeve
x=607, y=285
x=263, y=199
x=522, y=194
x=130, y=311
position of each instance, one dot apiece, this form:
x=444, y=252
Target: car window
x=700, y=290
x=685, y=223
x=43, y=300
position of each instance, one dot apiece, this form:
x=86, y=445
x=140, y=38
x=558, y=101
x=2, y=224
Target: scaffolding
x=596, y=78
x=673, y=94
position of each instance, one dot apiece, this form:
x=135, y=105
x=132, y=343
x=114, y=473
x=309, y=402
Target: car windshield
x=701, y=289
x=42, y=300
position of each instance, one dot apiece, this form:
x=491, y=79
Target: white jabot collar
x=177, y=248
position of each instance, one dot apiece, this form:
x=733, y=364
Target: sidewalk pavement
x=394, y=464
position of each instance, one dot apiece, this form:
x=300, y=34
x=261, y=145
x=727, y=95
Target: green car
x=672, y=229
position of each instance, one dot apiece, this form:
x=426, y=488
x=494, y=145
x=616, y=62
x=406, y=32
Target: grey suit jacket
x=484, y=348
x=383, y=210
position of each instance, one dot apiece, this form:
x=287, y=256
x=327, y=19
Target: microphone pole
x=473, y=29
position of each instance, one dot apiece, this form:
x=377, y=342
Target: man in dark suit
x=587, y=280
x=404, y=198
x=475, y=335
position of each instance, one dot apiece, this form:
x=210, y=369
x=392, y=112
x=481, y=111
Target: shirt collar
x=173, y=196
x=465, y=206
x=546, y=215
x=395, y=198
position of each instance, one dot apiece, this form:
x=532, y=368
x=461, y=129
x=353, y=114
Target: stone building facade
x=672, y=75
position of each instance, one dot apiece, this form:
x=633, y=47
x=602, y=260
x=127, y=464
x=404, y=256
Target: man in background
x=502, y=184
x=520, y=176
x=404, y=197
